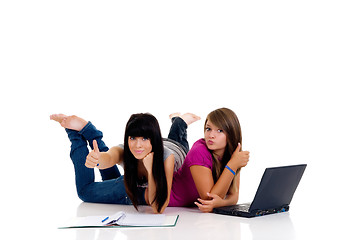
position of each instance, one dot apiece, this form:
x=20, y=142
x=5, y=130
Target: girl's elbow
x=155, y=208
x=164, y=207
x=235, y=199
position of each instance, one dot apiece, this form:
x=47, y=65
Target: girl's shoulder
x=200, y=146
x=199, y=154
x=166, y=152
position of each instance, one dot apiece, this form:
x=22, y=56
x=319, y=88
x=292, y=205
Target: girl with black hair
x=148, y=160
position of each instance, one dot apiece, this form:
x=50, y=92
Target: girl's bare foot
x=57, y=117
x=190, y=118
x=187, y=117
x=70, y=122
x=177, y=114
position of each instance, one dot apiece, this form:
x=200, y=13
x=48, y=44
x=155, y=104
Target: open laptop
x=274, y=193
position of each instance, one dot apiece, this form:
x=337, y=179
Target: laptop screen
x=277, y=187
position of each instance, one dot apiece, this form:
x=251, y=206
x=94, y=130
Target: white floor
x=39, y=216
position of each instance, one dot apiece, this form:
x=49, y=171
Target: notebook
x=274, y=193
x=122, y=219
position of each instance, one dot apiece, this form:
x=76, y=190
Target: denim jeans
x=112, y=188
x=178, y=133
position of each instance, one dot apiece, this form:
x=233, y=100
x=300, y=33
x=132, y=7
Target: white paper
x=141, y=220
x=123, y=219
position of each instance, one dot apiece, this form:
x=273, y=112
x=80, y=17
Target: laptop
x=274, y=193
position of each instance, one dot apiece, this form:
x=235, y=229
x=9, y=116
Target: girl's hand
x=207, y=206
x=148, y=161
x=240, y=158
x=93, y=157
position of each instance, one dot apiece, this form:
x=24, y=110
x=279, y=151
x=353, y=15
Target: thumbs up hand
x=92, y=159
x=240, y=158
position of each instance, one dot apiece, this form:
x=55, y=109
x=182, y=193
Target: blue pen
x=105, y=219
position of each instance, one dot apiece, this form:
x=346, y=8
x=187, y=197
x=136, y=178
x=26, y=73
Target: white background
x=287, y=68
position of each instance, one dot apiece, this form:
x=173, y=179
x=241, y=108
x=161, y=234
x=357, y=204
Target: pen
x=105, y=219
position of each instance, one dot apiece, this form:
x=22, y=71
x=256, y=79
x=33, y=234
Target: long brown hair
x=226, y=120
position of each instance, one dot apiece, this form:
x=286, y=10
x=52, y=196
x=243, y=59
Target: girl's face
x=139, y=146
x=216, y=139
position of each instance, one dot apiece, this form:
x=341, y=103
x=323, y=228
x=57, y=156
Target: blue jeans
x=112, y=188
x=178, y=133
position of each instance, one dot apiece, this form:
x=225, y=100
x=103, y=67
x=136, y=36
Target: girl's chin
x=211, y=147
x=139, y=156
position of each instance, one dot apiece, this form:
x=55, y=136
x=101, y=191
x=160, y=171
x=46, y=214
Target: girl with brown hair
x=210, y=173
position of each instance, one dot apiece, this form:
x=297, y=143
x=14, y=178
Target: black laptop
x=274, y=193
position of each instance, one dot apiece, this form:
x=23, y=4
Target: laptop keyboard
x=243, y=207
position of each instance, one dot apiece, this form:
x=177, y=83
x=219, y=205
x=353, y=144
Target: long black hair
x=145, y=125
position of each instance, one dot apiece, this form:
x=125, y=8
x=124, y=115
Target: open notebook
x=122, y=219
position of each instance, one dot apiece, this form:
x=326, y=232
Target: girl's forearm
x=222, y=186
x=231, y=199
x=105, y=161
x=151, y=192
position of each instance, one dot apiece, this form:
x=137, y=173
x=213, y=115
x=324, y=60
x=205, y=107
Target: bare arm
x=151, y=190
x=232, y=195
x=104, y=160
x=204, y=182
x=203, y=179
x=110, y=158
x=169, y=168
x=213, y=200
